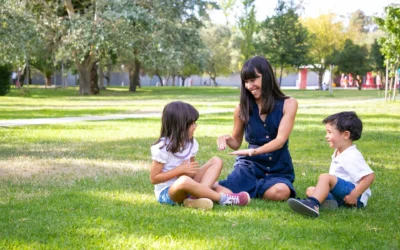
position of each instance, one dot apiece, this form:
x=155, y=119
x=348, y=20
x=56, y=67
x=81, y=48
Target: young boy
x=349, y=175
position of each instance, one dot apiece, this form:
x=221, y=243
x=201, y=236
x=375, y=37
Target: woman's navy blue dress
x=256, y=174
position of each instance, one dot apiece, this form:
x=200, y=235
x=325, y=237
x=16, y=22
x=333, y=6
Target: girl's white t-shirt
x=351, y=166
x=159, y=153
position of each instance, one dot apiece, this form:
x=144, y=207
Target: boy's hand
x=350, y=200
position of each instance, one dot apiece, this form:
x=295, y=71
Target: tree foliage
x=352, y=59
x=248, y=26
x=328, y=36
x=284, y=39
x=157, y=35
x=217, y=41
x=390, y=44
x=377, y=58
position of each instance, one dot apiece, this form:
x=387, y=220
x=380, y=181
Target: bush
x=5, y=75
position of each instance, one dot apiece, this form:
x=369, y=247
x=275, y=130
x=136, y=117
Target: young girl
x=174, y=171
x=265, y=117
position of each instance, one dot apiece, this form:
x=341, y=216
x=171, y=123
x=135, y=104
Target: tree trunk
x=183, y=81
x=84, y=80
x=173, y=80
x=280, y=77
x=159, y=78
x=48, y=80
x=22, y=77
x=320, y=75
x=101, y=78
x=108, y=74
x=134, y=77
x=94, y=78
x=132, y=85
x=213, y=78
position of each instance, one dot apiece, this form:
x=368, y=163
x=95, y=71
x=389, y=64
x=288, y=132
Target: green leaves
x=391, y=25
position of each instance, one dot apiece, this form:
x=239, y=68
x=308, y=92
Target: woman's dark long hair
x=176, y=119
x=270, y=89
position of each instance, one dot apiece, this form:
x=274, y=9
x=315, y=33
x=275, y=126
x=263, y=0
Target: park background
x=85, y=184
x=96, y=44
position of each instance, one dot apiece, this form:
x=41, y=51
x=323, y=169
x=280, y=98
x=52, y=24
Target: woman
x=265, y=116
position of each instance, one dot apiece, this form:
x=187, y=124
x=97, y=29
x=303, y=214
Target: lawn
x=86, y=185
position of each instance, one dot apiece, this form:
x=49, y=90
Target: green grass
x=86, y=185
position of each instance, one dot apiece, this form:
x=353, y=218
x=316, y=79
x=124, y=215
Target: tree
x=248, y=26
x=377, y=58
x=227, y=6
x=24, y=36
x=217, y=41
x=5, y=73
x=352, y=59
x=284, y=39
x=169, y=35
x=328, y=35
x=390, y=44
x=141, y=34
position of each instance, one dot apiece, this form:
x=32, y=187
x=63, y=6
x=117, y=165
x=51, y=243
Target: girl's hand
x=244, y=152
x=221, y=141
x=189, y=168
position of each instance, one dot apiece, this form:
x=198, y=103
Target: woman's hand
x=244, y=152
x=221, y=141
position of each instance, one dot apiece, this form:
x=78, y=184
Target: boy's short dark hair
x=346, y=121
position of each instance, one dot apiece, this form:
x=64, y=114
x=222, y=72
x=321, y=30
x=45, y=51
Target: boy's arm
x=365, y=182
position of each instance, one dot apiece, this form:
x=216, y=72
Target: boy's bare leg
x=310, y=191
x=325, y=184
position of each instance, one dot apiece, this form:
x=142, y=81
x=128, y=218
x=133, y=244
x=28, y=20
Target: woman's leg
x=278, y=192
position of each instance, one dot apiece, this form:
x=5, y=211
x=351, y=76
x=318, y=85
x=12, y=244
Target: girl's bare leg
x=220, y=189
x=209, y=172
x=186, y=185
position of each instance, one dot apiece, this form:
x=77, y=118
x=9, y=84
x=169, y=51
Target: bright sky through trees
x=312, y=8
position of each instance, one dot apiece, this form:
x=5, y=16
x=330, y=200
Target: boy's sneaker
x=329, y=204
x=201, y=203
x=240, y=199
x=304, y=207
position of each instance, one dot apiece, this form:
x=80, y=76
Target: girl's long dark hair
x=270, y=89
x=177, y=117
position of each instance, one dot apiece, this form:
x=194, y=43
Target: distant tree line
x=173, y=39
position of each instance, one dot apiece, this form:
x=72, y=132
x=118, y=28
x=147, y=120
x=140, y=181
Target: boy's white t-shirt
x=351, y=166
x=171, y=160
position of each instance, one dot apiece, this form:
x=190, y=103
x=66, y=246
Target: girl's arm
x=157, y=176
x=235, y=140
x=365, y=182
x=285, y=128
